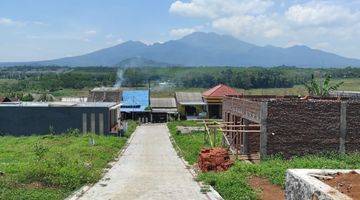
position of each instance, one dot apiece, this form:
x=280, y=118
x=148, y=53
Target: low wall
x=301, y=184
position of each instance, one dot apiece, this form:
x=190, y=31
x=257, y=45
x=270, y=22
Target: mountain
x=143, y=62
x=202, y=49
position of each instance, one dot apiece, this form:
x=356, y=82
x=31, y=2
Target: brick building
x=292, y=126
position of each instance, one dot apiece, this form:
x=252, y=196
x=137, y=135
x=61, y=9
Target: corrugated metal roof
x=163, y=102
x=189, y=98
x=220, y=91
x=135, y=100
x=164, y=110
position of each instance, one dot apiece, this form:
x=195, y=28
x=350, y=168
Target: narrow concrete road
x=148, y=169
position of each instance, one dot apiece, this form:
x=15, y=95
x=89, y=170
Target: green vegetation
x=66, y=81
x=53, y=166
x=238, y=77
x=189, y=144
x=58, y=80
x=321, y=89
x=233, y=184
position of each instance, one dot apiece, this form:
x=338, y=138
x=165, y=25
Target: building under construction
x=290, y=126
x=105, y=94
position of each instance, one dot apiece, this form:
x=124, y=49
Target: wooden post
x=342, y=147
x=263, y=130
x=214, y=129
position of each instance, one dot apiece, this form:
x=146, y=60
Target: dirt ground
x=268, y=191
x=348, y=184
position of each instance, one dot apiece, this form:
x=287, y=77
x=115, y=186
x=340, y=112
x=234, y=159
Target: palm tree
x=321, y=89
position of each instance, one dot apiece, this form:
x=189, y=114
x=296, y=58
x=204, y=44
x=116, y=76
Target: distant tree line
x=28, y=79
x=240, y=77
x=52, y=78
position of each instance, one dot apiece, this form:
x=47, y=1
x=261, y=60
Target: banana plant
x=321, y=89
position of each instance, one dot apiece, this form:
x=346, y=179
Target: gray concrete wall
x=38, y=120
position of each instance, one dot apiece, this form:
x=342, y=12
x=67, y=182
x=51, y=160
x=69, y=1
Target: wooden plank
x=242, y=131
x=263, y=133
x=209, y=136
x=342, y=148
x=241, y=126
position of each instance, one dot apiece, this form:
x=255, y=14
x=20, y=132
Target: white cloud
x=280, y=23
x=323, y=45
x=119, y=40
x=321, y=13
x=90, y=32
x=248, y=25
x=10, y=22
x=109, y=36
x=219, y=8
x=181, y=32
x=293, y=43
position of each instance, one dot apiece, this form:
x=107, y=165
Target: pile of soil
x=346, y=183
x=268, y=191
x=214, y=159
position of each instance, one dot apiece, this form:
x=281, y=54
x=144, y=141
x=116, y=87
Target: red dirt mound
x=348, y=184
x=214, y=159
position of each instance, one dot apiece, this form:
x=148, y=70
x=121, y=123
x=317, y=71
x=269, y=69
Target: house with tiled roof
x=214, y=97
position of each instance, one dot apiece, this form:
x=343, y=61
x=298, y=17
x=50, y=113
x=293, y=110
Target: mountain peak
x=202, y=49
x=132, y=43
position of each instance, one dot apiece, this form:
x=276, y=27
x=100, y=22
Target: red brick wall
x=303, y=127
x=352, y=141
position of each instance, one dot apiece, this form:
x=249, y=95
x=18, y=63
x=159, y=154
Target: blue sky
x=47, y=29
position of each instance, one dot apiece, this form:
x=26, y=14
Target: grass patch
x=52, y=167
x=232, y=184
x=351, y=84
x=190, y=144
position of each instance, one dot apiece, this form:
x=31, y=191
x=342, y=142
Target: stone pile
x=214, y=159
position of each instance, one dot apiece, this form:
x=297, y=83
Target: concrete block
x=301, y=184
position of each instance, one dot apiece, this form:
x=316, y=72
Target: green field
x=349, y=85
x=53, y=166
x=233, y=185
x=189, y=144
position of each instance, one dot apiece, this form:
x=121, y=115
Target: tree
x=321, y=89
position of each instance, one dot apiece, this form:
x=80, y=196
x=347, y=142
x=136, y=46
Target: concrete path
x=148, y=169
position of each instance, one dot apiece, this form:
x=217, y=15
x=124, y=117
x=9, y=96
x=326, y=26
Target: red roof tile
x=220, y=91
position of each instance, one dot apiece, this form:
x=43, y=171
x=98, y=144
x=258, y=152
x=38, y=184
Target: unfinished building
x=105, y=94
x=291, y=126
x=40, y=118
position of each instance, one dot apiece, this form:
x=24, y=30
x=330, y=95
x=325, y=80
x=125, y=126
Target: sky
x=33, y=30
